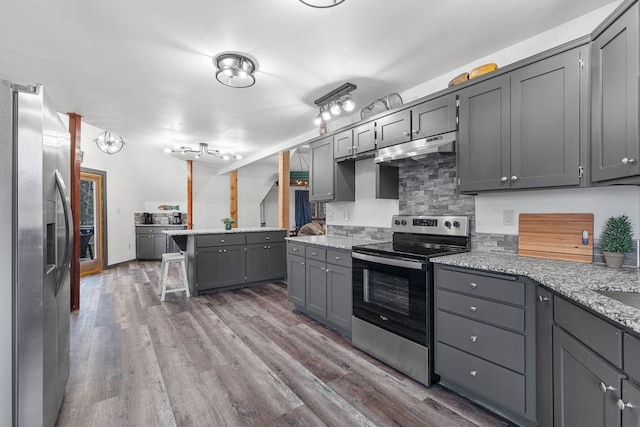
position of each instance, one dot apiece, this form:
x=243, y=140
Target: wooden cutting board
x=556, y=236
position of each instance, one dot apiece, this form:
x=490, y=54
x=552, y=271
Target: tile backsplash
x=158, y=218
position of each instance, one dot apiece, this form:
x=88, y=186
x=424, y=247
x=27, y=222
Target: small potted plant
x=616, y=240
x=228, y=222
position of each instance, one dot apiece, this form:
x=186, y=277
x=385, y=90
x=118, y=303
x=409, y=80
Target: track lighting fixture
x=333, y=103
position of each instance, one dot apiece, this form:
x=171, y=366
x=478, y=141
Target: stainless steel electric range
x=393, y=291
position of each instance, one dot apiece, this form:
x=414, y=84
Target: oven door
x=392, y=294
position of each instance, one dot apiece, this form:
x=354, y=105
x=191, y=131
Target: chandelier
x=204, y=149
x=322, y=4
x=334, y=102
x=107, y=143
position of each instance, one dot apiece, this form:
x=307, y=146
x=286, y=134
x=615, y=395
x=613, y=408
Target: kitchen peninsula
x=219, y=259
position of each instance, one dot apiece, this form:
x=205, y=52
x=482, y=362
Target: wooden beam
x=284, y=168
x=233, y=196
x=75, y=125
x=189, y=194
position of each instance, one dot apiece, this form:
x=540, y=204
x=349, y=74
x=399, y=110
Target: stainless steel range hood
x=418, y=148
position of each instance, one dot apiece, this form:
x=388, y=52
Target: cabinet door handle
x=349, y=148
x=473, y=309
x=313, y=253
x=220, y=250
x=267, y=238
x=295, y=249
x=473, y=338
x=221, y=240
x=415, y=132
x=337, y=258
x=327, y=271
x=628, y=161
x=406, y=133
x=265, y=247
x=542, y=299
x=301, y=262
x=605, y=388
x=622, y=405
x=504, y=179
x=473, y=373
x=473, y=285
x=225, y=251
x=514, y=178
x=322, y=268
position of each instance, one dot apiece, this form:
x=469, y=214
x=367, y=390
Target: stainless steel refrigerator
x=35, y=253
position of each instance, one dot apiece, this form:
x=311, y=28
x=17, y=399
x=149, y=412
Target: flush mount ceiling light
x=235, y=70
x=322, y=4
x=107, y=143
x=204, y=149
x=335, y=102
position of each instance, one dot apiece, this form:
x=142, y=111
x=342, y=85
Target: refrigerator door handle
x=66, y=207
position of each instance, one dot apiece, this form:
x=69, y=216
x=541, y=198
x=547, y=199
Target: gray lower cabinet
x=484, y=339
x=614, y=99
x=319, y=283
x=586, y=388
x=151, y=242
x=522, y=129
x=265, y=261
x=221, y=266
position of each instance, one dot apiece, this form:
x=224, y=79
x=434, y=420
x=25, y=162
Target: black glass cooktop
x=412, y=250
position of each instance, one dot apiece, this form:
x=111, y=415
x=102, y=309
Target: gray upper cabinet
x=484, y=139
x=434, y=117
x=614, y=99
x=545, y=122
x=522, y=129
x=357, y=142
x=329, y=180
x=393, y=129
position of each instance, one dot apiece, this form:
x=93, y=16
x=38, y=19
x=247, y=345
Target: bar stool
x=168, y=259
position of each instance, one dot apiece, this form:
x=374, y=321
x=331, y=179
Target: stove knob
x=447, y=224
x=396, y=222
x=456, y=224
x=403, y=222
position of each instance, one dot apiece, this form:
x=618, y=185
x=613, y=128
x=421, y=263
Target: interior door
x=91, y=223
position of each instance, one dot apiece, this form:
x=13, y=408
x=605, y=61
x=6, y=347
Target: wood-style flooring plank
x=238, y=358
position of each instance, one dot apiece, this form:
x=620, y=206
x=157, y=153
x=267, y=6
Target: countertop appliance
x=393, y=291
x=35, y=222
x=177, y=218
x=147, y=218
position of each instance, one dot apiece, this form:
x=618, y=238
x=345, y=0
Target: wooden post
x=189, y=194
x=233, y=196
x=284, y=168
x=75, y=125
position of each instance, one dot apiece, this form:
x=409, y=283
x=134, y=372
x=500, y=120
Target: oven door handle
x=414, y=265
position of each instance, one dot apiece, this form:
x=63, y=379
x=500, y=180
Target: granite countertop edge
x=160, y=225
x=338, y=242
x=221, y=231
x=574, y=280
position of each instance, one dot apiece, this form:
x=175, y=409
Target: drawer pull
x=473, y=373
x=473, y=285
x=605, y=388
x=301, y=262
x=473, y=309
x=328, y=271
x=267, y=237
x=337, y=258
x=221, y=240
x=622, y=406
x=542, y=299
x=474, y=338
x=384, y=318
x=295, y=249
x=313, y=253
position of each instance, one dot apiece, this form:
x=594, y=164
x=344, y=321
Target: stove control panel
x=427, y=224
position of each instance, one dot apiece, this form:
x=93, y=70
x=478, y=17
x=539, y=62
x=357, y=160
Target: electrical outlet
x=346, y=215
x=118, y=210
x=508, y=217
x=330, y=214
x=129, y=245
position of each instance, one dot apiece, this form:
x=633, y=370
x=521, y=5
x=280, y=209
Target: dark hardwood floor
x=239, y=358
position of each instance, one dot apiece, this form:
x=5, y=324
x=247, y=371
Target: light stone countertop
x=221, y=231
x=161, y=225
x=339, y=242
x=575, y=280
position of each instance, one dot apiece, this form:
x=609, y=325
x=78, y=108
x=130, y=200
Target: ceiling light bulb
x=225, y=157
x=318, y=119
x=238, y=156
x=167, y=150
x=335, y=108
x=348, y=104
x=326, y=115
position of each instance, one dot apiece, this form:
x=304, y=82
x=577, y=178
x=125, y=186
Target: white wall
x=366, y=211
x=135, y=178
x=603, y=202
x=210, y=197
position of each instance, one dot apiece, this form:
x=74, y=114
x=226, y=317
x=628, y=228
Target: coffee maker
x=177, y=218
x=147, y=218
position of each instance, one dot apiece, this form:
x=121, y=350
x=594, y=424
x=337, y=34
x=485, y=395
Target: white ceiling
x=143, y=69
